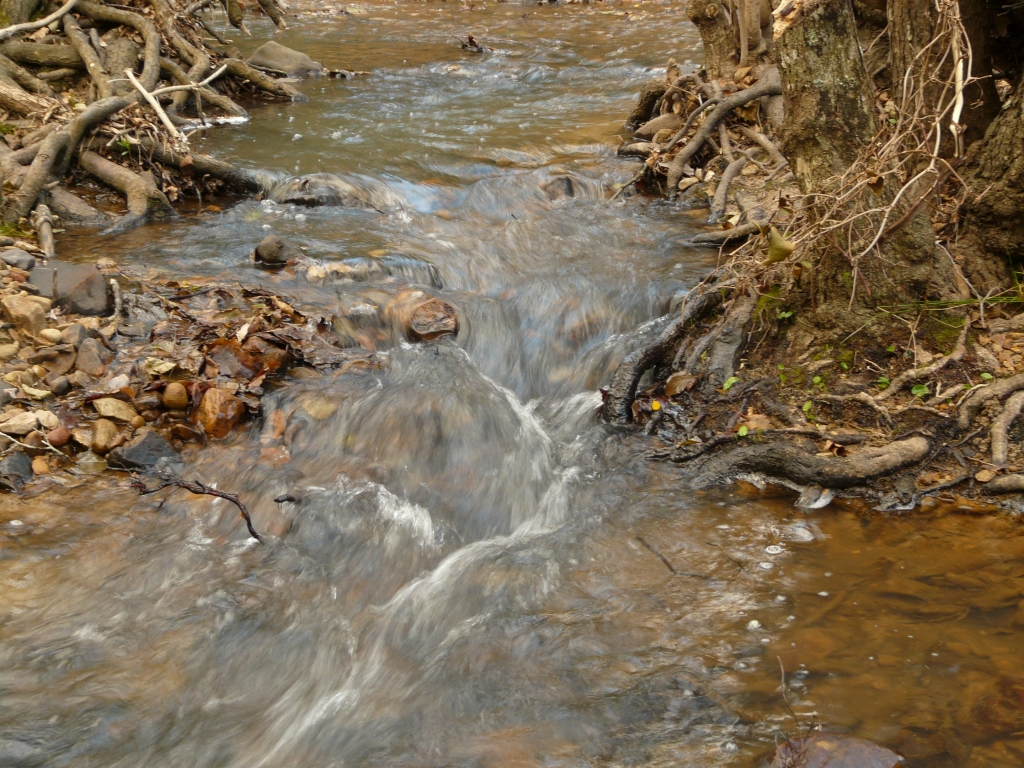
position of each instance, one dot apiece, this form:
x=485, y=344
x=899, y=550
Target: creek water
x=471, y=569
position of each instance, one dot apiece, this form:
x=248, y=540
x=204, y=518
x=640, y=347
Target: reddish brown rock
x=423, y=317
x=59, y=437
x=219, y=412
x=175, y=397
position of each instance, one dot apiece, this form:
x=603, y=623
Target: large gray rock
x=281, y=59
x=78, y=288
x=15, y=257
x=144, y=451
x=15, y=471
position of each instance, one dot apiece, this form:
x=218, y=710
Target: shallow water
x=473, y=570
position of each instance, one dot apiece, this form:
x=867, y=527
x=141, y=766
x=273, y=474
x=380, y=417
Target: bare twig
x=31, y=26
x=201, y=489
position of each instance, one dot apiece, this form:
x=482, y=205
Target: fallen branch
x=200, y=489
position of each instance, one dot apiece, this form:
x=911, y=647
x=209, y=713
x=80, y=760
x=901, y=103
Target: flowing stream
x=470, y=569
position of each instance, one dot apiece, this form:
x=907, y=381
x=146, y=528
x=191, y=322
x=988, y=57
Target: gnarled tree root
x=145, y=201
x=787, y=461
x=998, y=389
x=1001, y=425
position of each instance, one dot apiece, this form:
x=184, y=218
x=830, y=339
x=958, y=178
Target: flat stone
x=143, y=451
x=7, y=351
x=112, y=408
x=92, y=358
x=78, y=288
x=21, y=424
x=15, y=257
x=47, y=420
x=26, y=314
x=219, y=412
x=39, y=466
x=277, y=57
x=79, y=379
x=15, y=471
x=104, y=432
x=51, y=335
x=74, y=335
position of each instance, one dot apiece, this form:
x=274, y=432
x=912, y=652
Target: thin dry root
x=916, y=374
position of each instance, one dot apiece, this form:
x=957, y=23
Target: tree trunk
x=17, y=11
x=993, y=231
x=828, y=96
x=712, y=20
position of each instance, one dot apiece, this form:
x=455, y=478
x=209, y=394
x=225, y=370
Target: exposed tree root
x=916, y=374
x=785, y=460
x=997, y=390
x=1001, y=424
x=145, y=201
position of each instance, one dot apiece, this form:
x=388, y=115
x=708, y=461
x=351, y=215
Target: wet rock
x=59, y=437
x=60, y=386
x=50, y=335
x=112, y=408
x=74, y=335
x=990, y=709
x=79, y=379
x=830, y=750
x=92, y=358
x=104, y=432
x=39, y=466
x=423, y=317
x=15, y=257
x=26, y=315
x=15, y=471
x=33, y=444
x=372, y=269
x=175, y=397
x=671, y=121
x=47, y=420
x=282, y=59
x=78, y=288
x=91, y=464
x=326, y=189
x=219, y=412
x=20, y=424
x=143, y=452
x=7, y=351
x=560, y=188
x=273, y=252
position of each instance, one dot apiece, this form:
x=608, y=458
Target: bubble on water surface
x=774, y=549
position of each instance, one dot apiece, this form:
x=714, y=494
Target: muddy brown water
x=474, y=571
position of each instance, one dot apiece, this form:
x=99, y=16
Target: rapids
x=470, y=569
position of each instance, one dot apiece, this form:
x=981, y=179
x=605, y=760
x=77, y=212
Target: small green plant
x=919, y=390
x=987, y=376
x=806, y=408
x=844, y=366
x=782, y=374
x=732, y=380
x=125, y=145
x=743, y=431
x=785, y=315
x=891, y=349
x=882, y=382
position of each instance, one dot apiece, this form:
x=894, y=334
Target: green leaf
x=743, y=431
x=883, y=382
x=891, y=349
x=785, y=315
x=919, y=390
x=729, y=383
x=987, y=376
x=816, y=380
x=782, y=367
x=844, y=366
x=806, y=407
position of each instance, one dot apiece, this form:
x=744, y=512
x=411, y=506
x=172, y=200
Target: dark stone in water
x=143, y=452
x=15, y=471
x=273, y=252
x=327, y=189
x=560, y=188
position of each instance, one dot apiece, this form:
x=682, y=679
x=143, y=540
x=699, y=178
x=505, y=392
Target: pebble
x=50, y=335
x=175, y=397
x=59, y=437
x=219, y=412
x=138, y=421
x=39, y=466
x=74, y=335
x=60, y=386
x=104, y=432
x=47, y=420
x=112, y=408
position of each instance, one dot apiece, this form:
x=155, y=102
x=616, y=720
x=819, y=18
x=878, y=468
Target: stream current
x=472, y=570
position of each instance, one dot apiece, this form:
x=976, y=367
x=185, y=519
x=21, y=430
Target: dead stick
x=200, y=489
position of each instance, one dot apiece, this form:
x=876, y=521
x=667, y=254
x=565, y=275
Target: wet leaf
x=679, y=382
x=155, y=367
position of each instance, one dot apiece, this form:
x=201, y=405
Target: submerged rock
x=327, y=189
x=15, y=471
x=280, y=58
x=831, y=750
x=274, y=252
x=219, y=412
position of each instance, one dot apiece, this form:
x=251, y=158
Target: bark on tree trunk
x=17, y=11
x=993, y=230
x=828, y=95
x=712, y=20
